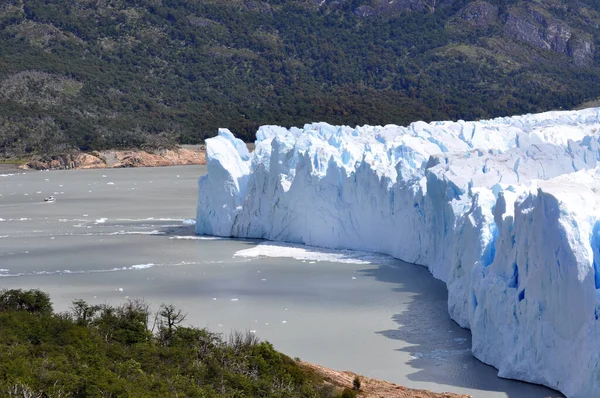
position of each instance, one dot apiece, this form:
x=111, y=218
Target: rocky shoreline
x=179, y=156
x=373, y=388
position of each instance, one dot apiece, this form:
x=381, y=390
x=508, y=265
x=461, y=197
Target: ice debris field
x=506, y=212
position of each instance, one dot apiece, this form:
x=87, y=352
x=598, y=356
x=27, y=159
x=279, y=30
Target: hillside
x=106, y=74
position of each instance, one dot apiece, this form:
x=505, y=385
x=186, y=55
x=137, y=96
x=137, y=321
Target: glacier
x=506, y=212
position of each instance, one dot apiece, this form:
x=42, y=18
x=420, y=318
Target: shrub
x=348, y=393
x=356, y=383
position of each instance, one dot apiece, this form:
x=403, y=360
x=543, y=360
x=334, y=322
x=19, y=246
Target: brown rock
x=184, y=156
x=87, y=161
x=373, y=388
x=116, y=159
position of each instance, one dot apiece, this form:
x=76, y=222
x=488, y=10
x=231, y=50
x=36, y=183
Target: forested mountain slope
x=97, y=74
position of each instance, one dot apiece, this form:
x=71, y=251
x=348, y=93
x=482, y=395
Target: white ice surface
x=506, y=212
x=307, y=253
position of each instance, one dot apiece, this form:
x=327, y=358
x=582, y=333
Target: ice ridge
x=505, y=211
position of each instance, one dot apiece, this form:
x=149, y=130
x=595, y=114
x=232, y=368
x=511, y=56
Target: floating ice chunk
x=143, y=266
x=314, y=254
x=195, y=237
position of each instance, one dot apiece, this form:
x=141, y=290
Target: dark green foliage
x=348, y=393
x=141, y=73
x=32, y=301
x=356, y=383
x=102, y=351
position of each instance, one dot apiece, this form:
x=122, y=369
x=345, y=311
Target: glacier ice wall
x=506, y=212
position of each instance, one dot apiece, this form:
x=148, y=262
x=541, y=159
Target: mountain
x=101, y=74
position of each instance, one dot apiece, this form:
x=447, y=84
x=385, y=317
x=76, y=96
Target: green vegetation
x=105, y=351
x=13, y=161
x=348, y=393
x=356, y=383
x=93, y=75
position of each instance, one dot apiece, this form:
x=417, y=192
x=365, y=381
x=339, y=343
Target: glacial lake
x=127, y=233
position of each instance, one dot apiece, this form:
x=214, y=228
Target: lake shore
x=374, y=388
x=111, y=159
x=8, y=167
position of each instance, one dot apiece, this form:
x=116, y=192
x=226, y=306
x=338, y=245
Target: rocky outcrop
x=87, y=161
x=527, y=24
x=162, y=158
x=479, y=14
x=581, y=49
x=373, y=388
x=541, y=30
x=119, y=159
x=67, y=161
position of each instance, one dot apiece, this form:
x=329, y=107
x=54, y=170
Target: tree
x=34, y=301
x=83, y=312
x=169, y=317
x=127, y=323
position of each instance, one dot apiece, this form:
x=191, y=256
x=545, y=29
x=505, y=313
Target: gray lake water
x=125, y=233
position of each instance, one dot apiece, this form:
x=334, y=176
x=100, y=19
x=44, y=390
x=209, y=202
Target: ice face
x=505, y=211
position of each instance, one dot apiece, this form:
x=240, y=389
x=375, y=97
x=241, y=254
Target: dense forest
x=100, y=74
x=125, y=351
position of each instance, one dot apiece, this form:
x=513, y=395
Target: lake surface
x=127, y=233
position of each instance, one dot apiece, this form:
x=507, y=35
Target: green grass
x=15, y=161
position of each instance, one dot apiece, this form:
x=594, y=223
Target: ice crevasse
x=506, y=212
